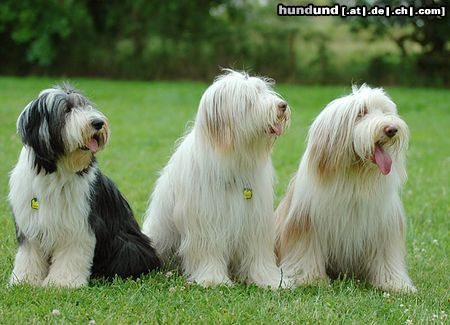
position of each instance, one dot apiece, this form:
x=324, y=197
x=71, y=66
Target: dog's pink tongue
x=382, y=159
x=92, y=144
x=277, y=129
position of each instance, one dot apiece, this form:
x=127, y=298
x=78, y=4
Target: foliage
x=429, y=32
x=43, y=26
x=151, y=39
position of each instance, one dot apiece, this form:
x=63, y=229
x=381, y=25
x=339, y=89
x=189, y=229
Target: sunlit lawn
x=146, y=118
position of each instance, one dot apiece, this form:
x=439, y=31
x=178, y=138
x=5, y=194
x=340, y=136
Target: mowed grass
x=146, y=118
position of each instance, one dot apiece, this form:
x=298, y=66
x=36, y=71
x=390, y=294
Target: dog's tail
x=121, y=248
x=133, y=256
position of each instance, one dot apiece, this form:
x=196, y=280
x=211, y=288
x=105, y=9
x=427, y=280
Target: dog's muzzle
x=97, y=123
x=379, y=156
x=282, y=107
x=282, y=116
x=98, y=138
x=390, y=131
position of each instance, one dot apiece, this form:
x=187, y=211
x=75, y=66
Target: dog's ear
x=29, y=122
x=34, y=130
x=216, y=121
x=329, y=138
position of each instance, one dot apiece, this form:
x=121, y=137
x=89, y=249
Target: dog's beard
x=279, y=125
x=378, y=157
x=259, y=139
x=77, y=160
x=81, y=157
x=95, y=141
x=371, y=145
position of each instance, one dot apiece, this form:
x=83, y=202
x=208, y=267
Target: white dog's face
x=237, y=110
x=61, y=125
x=86, y=129
x=362, y=129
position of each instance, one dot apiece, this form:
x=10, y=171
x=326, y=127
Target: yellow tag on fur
x=247, y=193
x=34, y=203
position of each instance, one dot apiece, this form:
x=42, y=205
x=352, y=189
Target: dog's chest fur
x=219, y=193
x=63, y=203
x=352, y=223
x=211, y=199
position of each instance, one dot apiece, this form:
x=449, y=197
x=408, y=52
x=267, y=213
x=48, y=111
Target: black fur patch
x=121, y=248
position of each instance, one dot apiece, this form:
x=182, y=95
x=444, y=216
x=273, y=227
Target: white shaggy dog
x=71, y=220
x=212, y=207
x=342, y=212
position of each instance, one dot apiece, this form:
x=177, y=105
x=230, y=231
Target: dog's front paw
x=390, y=281
x=397, y=286
x=209, y=275
x=32, y=279
x=211, y=282
x=64, y=281
x=299, y=279
x=309, y=279
x=271, y=284
x=271, y=281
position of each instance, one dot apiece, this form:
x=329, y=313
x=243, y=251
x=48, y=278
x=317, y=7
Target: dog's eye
x=68, y=109
x=362, y=112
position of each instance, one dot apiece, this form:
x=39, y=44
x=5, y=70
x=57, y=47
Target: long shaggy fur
x=198, y=214
x=342, y=213
x=71, y=220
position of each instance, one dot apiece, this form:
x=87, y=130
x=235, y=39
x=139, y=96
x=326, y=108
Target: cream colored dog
x=342, y=212
x=212, y=207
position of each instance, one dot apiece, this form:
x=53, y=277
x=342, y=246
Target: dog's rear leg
x=159, y=223
x=163, y=235
x=304, y=264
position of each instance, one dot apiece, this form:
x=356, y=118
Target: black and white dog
x=71, y=220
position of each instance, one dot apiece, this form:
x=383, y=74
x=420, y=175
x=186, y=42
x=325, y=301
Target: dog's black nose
x=282, y=106
x=97, y=123
x=390, y=131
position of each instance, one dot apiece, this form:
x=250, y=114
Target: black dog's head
x=62, y=126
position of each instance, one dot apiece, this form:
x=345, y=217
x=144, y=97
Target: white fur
x=340, y=213
x=198, y=213
x=58, y=229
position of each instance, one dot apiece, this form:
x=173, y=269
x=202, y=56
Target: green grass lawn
x=146, y=118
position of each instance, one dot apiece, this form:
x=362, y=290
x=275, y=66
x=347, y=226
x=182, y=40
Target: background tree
x=430, y=33
x=151, y=39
